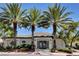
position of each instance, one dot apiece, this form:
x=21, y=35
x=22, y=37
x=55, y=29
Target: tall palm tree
x=12, y=14
x=33, y=17
x=57, y=16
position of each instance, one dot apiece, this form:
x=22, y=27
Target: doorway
x=42, y=44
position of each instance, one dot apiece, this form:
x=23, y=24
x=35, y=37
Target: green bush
x=29, y=46
x=24, y=46
x=76, y=46
x=52, y=50
x=18, y=47
x=21, y=46
x=62, y=50
x=2, y=48
x=65, y=50
x=8, y=47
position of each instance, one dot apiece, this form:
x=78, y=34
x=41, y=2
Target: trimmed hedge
x=2, y=48
x=62, y=50
x=20, y=48
x=65, y=50
x=24, y=46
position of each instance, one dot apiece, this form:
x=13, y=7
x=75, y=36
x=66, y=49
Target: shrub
x=21, y=46
x=18, y=47
x=62, y=50
x=52, y=50
x=24, y=46
x=29, y=46
x=76, y=46
x=65, y=50
x=8, y=47
x=2, y=48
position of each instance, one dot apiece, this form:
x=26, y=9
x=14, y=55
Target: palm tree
x=12, y=14
x=33, y=17
x=57, y=16
x=70, y=34
x=5, y=30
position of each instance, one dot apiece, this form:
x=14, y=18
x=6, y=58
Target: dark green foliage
x=65, y=50
x=18, y=47
x=8, y=47
x=52, y=50
x=29, y=46
x=2, y=48
x=24, y=46
x=76, y=46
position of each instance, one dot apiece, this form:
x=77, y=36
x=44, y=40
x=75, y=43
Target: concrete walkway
x=38, y=53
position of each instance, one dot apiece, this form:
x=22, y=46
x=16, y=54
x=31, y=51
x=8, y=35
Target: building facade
x=41, y=41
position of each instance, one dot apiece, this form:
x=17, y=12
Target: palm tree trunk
x=33, y=29
x=15, y=32
x=54, y=34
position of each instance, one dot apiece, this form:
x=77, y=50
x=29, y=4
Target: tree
x=12, y=14
x=73, y=34
x=57, y=16
x=70, y=35
x=33, y=17
x=5, y=30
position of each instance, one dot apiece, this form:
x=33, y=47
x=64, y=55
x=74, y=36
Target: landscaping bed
x=65, y=50
x=20, y=48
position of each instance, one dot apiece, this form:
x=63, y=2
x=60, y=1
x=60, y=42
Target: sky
x=74, y=7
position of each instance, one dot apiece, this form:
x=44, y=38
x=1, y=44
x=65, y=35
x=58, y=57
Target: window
x=23, y=41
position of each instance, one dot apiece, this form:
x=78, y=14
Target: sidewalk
x=37, y=53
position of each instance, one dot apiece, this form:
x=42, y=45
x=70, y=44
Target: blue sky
x=44, y=6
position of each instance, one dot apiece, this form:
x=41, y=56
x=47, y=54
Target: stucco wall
x=59, y=42
x=19, y=42
x=27, y=41
x=7, y=42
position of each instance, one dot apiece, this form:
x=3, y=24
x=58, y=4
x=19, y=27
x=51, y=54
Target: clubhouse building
x=41, y=40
